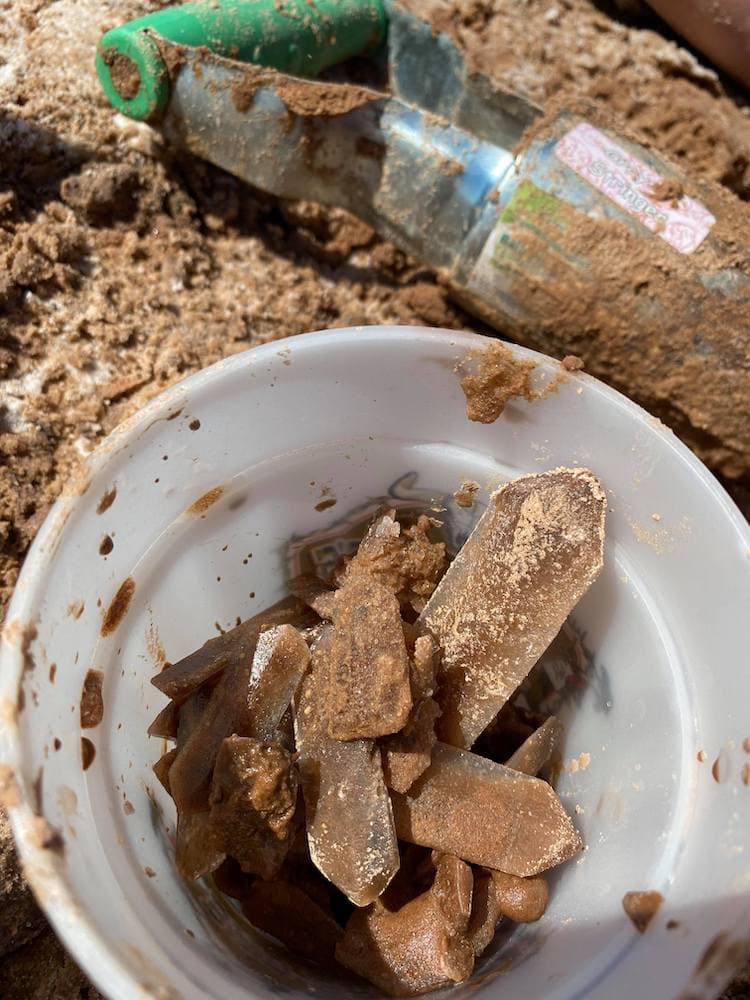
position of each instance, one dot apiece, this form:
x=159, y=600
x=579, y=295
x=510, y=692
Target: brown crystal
x=162, y=767
x=407, y=754
x=190, y=776
x=281, y=657
x=196, y=851
x=249, y=699
x=402, y=559
x=368, y=690
x=253, y=799
x=537, y=749
x=350, y=829
x=497, y=895
x=189, y=715
x=313, y=592
x=287, y=913
x=448, y=809
x=533, y=554
x=419, y=947
x=165, y=723
x=236, y=645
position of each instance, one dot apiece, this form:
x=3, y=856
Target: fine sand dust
x=122, y=271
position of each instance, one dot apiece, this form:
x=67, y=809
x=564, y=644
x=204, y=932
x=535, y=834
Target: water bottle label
x=655, y=201
x=522, y=253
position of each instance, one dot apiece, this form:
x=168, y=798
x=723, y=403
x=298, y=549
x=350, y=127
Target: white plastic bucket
x=264, y=436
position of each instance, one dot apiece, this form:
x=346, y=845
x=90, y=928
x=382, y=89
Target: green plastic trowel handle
x=301, y=37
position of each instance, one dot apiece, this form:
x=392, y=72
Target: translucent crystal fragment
x=403, y=560
x=235, y=646
x=531, y=557
x=350, y=829
x=253, y=800
x=249, y=699
x=535, y=751
x=368, y=688
x=486, y=814
x=281, y=658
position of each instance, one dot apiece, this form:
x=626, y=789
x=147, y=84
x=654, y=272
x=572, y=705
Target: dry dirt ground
x=122, y=270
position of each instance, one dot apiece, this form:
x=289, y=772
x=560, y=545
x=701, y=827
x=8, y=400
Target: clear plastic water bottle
x=555, y=228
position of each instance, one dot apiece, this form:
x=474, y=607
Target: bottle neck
x=436, y=184
x=416, y=179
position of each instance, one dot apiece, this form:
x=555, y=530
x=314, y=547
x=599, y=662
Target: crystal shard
x=531, y=557
x=403, y=560
x=253, y=800
x=196, y=851
x=350, y=828
x=420, y=946
x=406, y=755
x=368, y=691
x=250, y=700
x=281, y=657
x=449, y=806
x=535, y=751
x=237, y=645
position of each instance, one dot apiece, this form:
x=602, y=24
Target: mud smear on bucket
x=10, y=794
x=206, y=501
x=492, y=376
x=88, y=752
x=106, y=500
x=118, y=608
x=92, y=702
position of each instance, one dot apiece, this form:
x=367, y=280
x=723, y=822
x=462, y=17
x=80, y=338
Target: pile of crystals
x=322, y=767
